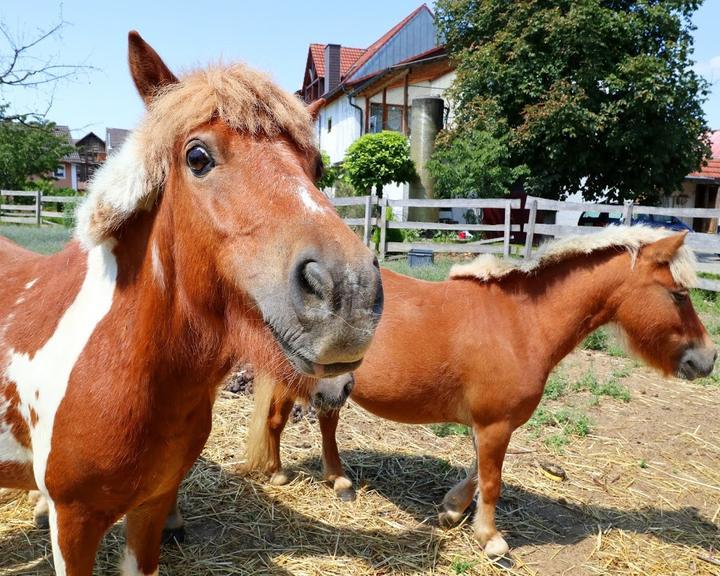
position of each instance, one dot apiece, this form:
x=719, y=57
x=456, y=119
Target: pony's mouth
x=309, y=367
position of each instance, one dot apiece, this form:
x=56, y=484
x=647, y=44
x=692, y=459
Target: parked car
x=661, y=221
x=599, y=219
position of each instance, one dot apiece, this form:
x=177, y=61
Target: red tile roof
x=348, y=56
x=712, y=170
x=380, y=42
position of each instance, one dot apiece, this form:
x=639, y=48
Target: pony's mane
x=130, y=180
x=631, y=238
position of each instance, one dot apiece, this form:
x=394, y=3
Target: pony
x=477, y=348
x=111, y=350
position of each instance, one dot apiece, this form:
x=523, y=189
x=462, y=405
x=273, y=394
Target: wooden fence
x=698, y=242
x=12, y=213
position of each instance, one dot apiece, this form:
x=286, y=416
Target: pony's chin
x=307, y=366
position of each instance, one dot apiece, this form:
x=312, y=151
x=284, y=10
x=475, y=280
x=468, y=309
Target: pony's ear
x=148, y=70
x=314, y=108
x=664, y=250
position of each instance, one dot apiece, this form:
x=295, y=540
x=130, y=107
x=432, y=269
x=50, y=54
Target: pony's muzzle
x=696, y=362
x=332, y=393
x=338, y=304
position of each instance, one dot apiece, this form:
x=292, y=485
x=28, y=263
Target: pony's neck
x=571, y=299
x=175, y=321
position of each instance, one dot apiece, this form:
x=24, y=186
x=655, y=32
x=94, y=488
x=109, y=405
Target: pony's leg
x=144, y=529
x=332, y=467
x=75, y=532
x=40, y=510
x=280, y=410
x=458, y=499
x=491, y=443
x=174, y=528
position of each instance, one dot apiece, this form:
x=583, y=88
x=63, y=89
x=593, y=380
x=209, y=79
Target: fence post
x=38, y=207
x=627, y=213
x=383, y=227
x=506, y=239
x=368, y=219
x=530, y=230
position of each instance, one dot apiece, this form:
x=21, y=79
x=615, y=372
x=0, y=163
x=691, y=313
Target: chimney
x=332, y=67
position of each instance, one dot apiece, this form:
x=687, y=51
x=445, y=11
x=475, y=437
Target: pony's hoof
x=496, y=546
x=449, y=518
x=42, y=522
x=279, y=478
x=347, y=495
x=171, y=535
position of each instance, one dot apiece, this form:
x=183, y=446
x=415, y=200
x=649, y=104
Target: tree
x=374, y=160
x=28, y=148
x=595, y=95
x=330, y=173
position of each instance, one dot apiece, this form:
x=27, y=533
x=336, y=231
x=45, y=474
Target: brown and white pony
x=202, y=241
x=477, y=349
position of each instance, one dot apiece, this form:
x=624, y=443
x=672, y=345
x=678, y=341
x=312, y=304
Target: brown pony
x=203, y=240
x=477, y=349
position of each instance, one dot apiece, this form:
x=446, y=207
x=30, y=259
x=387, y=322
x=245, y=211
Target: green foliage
x=374, y=160
x=331, y=173
x=473, y=161
x=438, y=271
x=28, y=148
x=588, y=95
x=462, y=566
x=564, y=423
x=450, y=429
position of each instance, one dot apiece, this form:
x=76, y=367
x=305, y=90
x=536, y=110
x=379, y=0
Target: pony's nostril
x=347, y=389
x=315, y=280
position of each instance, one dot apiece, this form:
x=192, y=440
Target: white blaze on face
x=308, y=201
x=157, y=267
x=42, y=379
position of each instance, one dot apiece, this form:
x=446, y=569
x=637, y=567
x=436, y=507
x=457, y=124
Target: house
x=76, y=168
x=700, y=189
x=372, y=89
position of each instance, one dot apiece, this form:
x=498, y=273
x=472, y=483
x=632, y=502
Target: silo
x=427, y=121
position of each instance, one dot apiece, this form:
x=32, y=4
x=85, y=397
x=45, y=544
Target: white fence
x=35, y=213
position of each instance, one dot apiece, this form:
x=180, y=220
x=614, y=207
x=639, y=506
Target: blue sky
x=269, y=35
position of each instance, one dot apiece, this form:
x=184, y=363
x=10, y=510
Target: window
x=393, y=117
x=329, y=124
x=60, y=172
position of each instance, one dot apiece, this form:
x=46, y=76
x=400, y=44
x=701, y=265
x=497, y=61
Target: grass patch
x=597, y=340
x=45, y=240
x=462, y=566
x=611, y=387
x=450, y=429
x=713, y=380
x=562, y=425
x=435, y=272
x=555, y=387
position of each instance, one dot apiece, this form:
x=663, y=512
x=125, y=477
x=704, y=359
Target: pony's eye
x=199, y=160
x=679, y=296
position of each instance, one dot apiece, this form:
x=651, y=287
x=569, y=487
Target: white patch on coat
x=157, y=267
x=130, y=566
x=308, y=201
x=47, y=372
x=58, y=560
x=10, y=449
x=30, y=284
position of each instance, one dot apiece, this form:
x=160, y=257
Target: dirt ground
x=642, y=494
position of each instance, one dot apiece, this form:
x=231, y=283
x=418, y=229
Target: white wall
x=345, y=127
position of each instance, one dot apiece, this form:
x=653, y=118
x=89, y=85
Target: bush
x=374, y=160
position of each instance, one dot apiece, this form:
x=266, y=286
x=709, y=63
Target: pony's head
x=224, y=165
x=656, y=313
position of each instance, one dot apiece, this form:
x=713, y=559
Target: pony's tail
x=257, y=446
